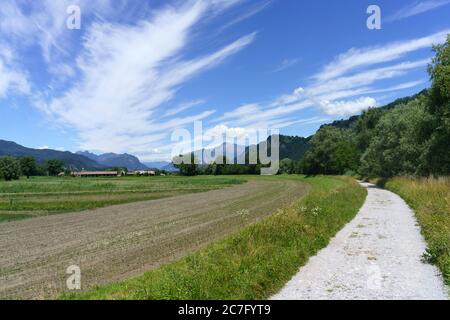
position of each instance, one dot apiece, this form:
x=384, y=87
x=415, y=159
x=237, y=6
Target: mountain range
x=74, y=161
x=161, y=165
x=71, y=160
x=290, y=147
x=82, y=159
x=111, y=160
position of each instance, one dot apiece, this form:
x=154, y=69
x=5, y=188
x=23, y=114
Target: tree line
x=12, y=168
x=222, y=167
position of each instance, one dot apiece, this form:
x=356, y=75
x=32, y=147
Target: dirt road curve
x=376, y=256
x=118, y=242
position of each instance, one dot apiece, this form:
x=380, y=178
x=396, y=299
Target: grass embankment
x=39, y=196
x=256, y=262
x=430, y=199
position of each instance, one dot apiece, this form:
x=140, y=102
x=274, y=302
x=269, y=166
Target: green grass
x=430, y=199
x=256, y=262
x=7, y=217
x=38, y=196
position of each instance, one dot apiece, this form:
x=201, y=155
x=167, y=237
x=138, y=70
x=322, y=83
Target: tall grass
x=430, y=199
x=256, y=262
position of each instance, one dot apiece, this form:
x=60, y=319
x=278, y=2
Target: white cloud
x=365, y=77
x=124, y=79
x=357, y=58
x=255, y=9
x=43, y=23
x=183, y=107
x=12, y=79
x=286, y=64
x=346, y=108
x=342, y=87
x=417, y=8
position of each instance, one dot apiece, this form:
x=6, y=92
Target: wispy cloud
x=183, y=107
x=286, y=64
x=344, y=86
x=43, y=23
x=12, y=78
x=124, y=80
x=356, y=58
x=417, y=8
x=344, y=108
x=250, y=12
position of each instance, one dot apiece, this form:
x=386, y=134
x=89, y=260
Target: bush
x=54, y=167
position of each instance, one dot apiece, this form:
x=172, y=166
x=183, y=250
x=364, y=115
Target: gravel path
x=376, y=256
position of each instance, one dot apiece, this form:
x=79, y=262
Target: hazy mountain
x=71, y=160
x=115, y=160
x=161, y=165
x=157, y=164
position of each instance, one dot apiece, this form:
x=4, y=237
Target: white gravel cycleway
x=376, y=256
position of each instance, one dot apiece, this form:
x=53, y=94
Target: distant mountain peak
x=71, y=160
x=111, y=159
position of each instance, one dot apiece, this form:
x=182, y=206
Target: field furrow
x=117, y=242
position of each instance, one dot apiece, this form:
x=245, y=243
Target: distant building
x=141, y=173
x=95, y=174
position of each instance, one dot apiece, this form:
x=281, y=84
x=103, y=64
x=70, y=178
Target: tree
x=28, y=166
x=394, y=148
x=332, y=152
x=9, y=168
x=54, y=167
x=287, y=166
x=365, y=128
x=436, y=158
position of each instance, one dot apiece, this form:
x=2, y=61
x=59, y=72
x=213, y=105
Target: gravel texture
x=376, y=256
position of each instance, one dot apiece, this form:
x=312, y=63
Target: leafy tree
x=9, y=168
x=346, y=154
x=54, y=167
x=28, y=166
x=365, y=128
x=436, y=158
x=394, y=148
x=287, y=166
x=327, y=154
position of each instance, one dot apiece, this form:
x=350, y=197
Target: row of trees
x=13, y=168
x=412, y=138
x=216, y=168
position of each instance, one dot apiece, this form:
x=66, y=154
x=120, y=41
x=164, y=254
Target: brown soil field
x=118, y=242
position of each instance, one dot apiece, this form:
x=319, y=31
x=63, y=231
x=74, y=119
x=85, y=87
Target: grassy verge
x=256, y=262
x=430, y=199
x=39, y=196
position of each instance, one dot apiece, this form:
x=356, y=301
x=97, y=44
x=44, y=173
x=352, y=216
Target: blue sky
x=138, y=70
